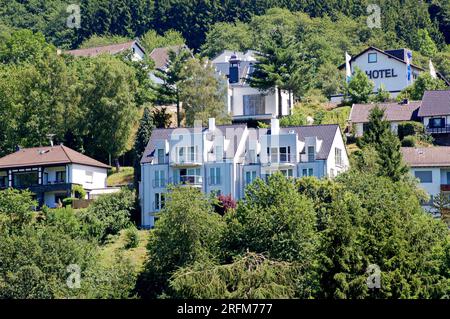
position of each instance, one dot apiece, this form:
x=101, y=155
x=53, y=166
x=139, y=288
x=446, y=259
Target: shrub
x=409, y=141
x=224, y=204
x=131, y=238
x=108, y=214
x=68, y=201
x=410, y=128
x=79, y=191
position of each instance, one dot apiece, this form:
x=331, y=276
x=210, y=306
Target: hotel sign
x=381, y=74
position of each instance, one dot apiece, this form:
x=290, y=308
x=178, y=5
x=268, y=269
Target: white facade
x=432, y=180
x=245, y=102
x=383, y=69
x=359, y=128
x=225, y=159
x=54, y=182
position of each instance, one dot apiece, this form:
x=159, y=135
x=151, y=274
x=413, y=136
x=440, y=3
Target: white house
x=50, y=172
x=138, y=52
x=431, y=166
x=435, y=111
x=243, y=101
x=388, y=68
x=224, y=159
x=394, y=112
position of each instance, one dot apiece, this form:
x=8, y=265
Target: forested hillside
x=193, y=18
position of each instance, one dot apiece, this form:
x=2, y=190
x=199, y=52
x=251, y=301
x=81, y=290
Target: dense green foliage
x=108, y=214
x=188, y=231
x=193, y=18
x=379, y=137
x=40, y=254
x=300, y=238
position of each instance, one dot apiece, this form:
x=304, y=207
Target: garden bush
x=108, y=214
x=409, y=141
x=131, y=238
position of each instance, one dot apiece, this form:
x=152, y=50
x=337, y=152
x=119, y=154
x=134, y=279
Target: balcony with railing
x=438, y=130
x=186, y=160
x=192, y=180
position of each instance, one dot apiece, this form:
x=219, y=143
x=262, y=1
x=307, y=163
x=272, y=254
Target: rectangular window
x=61, y=177
x=3, y=181
x=448, y=177
x=338, y=156
x=25, y=179
x=181, y=154
x=254, y=104
x=192, y=153
x=250, y=176
x=424, y=176
x=307, y=172
x=372, y=58
x=159, y=201
x=214, y=176
x=159, y=179
x=274, y=154
x=437, y=122
x=311, y=154
x=252, y=156
x=285, y=154
x=161, y=156
x=89, y=177
x=287, y=172
x=219, y=152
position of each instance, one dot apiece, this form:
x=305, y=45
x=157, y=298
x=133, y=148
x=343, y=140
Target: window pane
x=424, y=176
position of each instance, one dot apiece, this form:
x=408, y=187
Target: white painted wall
x=236, y=100
x=338, y=142
x=77, y=175
x=359, y=128
x=397, y=83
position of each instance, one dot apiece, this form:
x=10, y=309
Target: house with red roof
x=51, y=172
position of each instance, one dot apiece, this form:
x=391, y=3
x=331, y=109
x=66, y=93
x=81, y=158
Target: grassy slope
x=136, y=255
x=123, y=177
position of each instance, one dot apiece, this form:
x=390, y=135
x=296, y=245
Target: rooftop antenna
x=50, y=137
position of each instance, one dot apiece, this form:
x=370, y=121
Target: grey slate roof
x=393, y=111
x=438, y=156
x=435, y=103
x=164, y=134
x=325, y=132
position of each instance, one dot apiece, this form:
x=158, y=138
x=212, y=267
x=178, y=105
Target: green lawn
x=137, y=255
x=124, y=177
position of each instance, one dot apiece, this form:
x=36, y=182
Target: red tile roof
x=111, y=49
x=438, y=156
x=47, y=155
x=392, y=111
x=161, y=55
x=435, y=103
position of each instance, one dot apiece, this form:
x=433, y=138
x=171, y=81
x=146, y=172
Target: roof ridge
x=102, y=46
x=64, y=150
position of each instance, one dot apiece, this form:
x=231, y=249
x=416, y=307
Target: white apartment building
x=224, y=159
x=50, y=172
x=244, y=102
x=431, y=166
